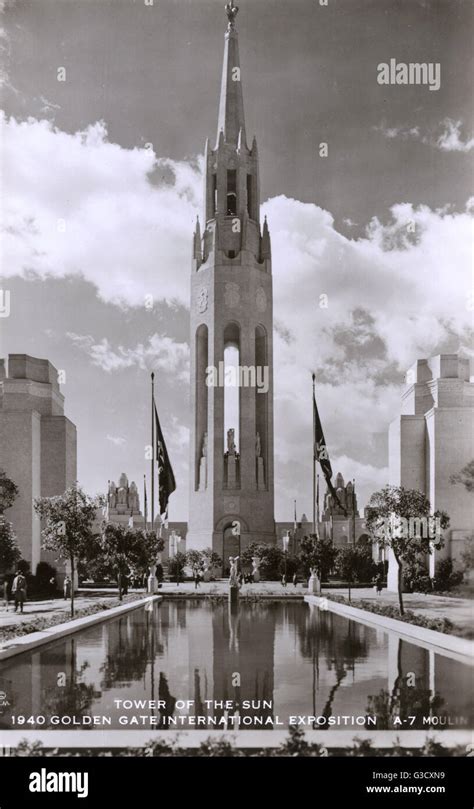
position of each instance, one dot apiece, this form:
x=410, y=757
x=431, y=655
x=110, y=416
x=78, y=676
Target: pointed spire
x=266, y=250
x=231, y=107
x=197, y=241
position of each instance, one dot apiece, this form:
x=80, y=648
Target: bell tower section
x=231, y=455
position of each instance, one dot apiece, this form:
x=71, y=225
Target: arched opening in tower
x=231, y=192
x=201, y=393
x=261, y=411
x=231, y=387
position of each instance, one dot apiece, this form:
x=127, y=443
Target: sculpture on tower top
x=232, y=12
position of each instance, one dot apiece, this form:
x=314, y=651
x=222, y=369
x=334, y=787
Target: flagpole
x=317, y=500
x=152, y=451
x=294, y=530
x=314, y=457
x=353, y=513
x=145, y=504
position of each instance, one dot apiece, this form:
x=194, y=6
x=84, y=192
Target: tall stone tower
x=37, y=445
x=231, y=464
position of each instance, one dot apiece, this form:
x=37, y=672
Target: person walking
x=19, y=590
x=197, y=577
x=379, y=584
x=295, y=579
x=5, y=593
x=67, y=588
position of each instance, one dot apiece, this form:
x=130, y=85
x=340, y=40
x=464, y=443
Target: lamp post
x=178, y=540
x=286, y=540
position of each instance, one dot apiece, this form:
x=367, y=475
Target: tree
x=69, y=525
x=397, y=518
x=194, y=559
x=8, y=492
x=365, y=567
x=318, y=552
x=271, y=559
x=346, y=565
x=9, y=551
x=121, y=547
x=465, y=476
x=176, y=566
x=211, y=558
x=446, y=577
x=202, y=560
x=147, y=546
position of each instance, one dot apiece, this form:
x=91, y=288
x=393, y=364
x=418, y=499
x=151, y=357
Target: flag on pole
x=166, y=479
x=320, y=452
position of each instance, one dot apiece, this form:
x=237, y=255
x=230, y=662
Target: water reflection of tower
x=244, y=640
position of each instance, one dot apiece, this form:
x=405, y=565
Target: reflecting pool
x=195, y=663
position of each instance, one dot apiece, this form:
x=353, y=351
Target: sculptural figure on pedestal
x=255, y=568
x=231, y=448
x=234, y=572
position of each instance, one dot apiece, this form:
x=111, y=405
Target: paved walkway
x=48, y=608
x=459, y=610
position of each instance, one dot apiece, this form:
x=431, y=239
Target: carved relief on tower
x=231, y=506
x=202, y=300
x=261, y=299
x=232, y=295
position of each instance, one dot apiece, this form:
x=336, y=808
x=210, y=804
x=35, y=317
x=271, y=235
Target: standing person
x=67, y=588
x=283, y=580
x=379, y=584
x=196, y=578
x=295, y=579
x=19, y=590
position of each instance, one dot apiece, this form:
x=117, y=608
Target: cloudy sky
x=102, y=179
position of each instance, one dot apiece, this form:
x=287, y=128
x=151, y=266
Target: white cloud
x=159, y=353
x=98, y=214
x=392, y=296
x=447, y=137
x=451, y=141
x=117, y=440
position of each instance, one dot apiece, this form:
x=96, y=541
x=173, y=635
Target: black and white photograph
x=236, y=393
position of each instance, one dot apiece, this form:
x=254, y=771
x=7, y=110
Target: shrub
x=445, y=578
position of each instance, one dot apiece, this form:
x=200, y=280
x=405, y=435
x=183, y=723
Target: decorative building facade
x=231, y=464
x=341, y=521
x=38, y=445
x=123, y=503
x=431, y=441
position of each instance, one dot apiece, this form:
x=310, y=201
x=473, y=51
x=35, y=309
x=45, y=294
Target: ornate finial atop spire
x=232, y=12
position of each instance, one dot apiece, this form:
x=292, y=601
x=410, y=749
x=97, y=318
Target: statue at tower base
x=314, y=585
x=233, y=580
x=255, y=569
x=152, y=583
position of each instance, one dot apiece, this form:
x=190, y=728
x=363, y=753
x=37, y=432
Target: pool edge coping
x=451, y=644
x=25, y=643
